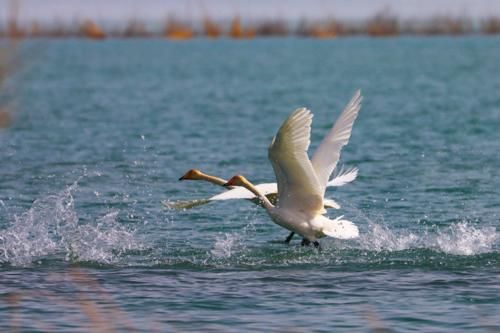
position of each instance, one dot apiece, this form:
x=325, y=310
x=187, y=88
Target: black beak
x=182, y=178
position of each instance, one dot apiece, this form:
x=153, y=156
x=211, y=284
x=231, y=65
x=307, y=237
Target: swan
x=302, y=181
x=268, y=189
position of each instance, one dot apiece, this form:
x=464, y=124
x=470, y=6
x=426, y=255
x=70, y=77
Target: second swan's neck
x=214, y=180
x=265, y=201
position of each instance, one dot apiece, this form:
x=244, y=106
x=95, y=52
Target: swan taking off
x=268, y=189
x=302, y=181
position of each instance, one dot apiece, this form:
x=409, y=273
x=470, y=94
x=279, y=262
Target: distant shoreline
x=380, y=25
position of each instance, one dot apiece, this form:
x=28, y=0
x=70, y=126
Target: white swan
x=302, y=182
x=268, y=189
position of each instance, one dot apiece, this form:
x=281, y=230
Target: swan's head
x=237, y=180
x=193, y=174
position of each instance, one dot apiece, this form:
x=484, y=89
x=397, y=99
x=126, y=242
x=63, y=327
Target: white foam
x=461, y=238
x=51, y=227
x=381, y=238
x=465, y=239
x=226, y=245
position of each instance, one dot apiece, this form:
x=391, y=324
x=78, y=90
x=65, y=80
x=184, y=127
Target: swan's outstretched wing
x=327, y=154
x=298, y=187
x=240, y=192
x=343, y=177
x=184, y=204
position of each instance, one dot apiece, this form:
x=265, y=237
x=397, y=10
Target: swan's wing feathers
x=237, y=192
x=184, y=204
x=330, y=203
x=267, y=188
x=327, y=154
x=344, y=176
x=340, y=228
x=298, y=186
x=242, y=193
x=294, y=134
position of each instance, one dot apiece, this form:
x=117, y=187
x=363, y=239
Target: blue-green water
x=105, y=129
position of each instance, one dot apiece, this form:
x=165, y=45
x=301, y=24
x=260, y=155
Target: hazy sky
x=48, y=10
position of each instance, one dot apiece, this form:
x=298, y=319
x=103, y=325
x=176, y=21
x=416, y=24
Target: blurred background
x=242, y=19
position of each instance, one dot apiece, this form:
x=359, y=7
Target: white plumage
x=343, y=177
x=268, y=189
x=301, y=181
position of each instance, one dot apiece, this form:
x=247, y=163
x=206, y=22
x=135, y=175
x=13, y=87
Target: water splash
x=381, y=238
x=461, y=238
x=51, y=228
x=225, y=246
x=465, y=239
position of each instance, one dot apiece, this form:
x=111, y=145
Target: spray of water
x=51, y=228
x=461, y=238
x=466, y=239
x=225, y=245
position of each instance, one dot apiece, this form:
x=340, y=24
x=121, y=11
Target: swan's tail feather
x=341, y=228
x=329, y=203
x=344, y=176
x=188, y=204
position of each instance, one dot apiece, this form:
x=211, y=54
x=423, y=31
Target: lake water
x=105, y=129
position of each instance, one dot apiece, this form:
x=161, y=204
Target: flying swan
x=268, y=189
x=302, y=182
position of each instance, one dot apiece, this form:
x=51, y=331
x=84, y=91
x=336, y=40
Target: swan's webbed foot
x=307, y=242
x=289, y=238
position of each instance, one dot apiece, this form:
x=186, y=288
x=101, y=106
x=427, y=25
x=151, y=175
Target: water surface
x=105, y=130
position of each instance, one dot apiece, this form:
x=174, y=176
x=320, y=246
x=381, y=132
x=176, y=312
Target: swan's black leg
x=289, y=238
x=305, y=242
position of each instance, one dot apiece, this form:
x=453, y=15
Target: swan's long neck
x=265, y=201
x=213, y=179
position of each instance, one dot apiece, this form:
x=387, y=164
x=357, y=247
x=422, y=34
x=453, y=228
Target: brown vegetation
x=135, y=28
x=91, y=30
x=10, y=61
x=5, y=117
x=380, y=25
x=322, y=30
x=177, y=30
x=377, y=26
x=237, y=31
x=491, y=26
x=212, y=30
x=100, y=314
x=444, y=25
x=94, y=308
x=272, y=28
